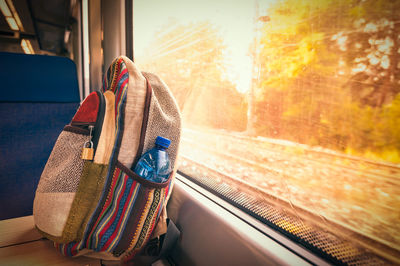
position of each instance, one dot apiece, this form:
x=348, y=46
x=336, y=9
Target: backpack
x=88, y=200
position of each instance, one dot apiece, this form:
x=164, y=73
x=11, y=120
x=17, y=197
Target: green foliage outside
x=330, y=75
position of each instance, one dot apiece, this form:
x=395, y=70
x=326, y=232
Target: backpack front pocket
x=129, y=214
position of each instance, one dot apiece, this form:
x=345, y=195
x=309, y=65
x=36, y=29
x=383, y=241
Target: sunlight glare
x=235, y=23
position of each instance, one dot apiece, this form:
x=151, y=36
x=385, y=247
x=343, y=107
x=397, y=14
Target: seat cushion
x=37, y=78
x=28, y=133
x=38, y=96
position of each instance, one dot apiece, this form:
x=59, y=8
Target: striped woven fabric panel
x=68, y=250
x=126, y=221
x=116, y=80
x=121, y=227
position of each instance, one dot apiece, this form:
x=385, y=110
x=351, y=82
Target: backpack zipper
x=94, y=128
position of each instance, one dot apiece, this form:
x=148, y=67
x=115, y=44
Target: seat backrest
x=39, y=95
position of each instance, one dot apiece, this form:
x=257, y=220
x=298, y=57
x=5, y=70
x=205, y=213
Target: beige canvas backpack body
x=89, y=201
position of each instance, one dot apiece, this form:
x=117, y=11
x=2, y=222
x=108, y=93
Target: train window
x=291, y=112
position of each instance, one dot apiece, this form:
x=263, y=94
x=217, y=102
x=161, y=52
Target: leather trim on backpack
x=76, y=130
x=140, y=179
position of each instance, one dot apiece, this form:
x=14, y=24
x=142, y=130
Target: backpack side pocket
x=59, y=182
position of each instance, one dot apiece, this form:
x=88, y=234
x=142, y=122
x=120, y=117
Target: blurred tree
x=189, y=58
x=329, y=73
x=371, y=46
x=295, y=70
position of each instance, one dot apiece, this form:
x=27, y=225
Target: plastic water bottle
x=154, y=165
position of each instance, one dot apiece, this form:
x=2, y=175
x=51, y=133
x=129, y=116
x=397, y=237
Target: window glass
x=289, y=103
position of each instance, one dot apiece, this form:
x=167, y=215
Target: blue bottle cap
x=163, y=142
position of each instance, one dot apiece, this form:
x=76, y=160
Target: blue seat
x=39, y=95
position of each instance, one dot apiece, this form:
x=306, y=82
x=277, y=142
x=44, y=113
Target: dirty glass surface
x=290, y=104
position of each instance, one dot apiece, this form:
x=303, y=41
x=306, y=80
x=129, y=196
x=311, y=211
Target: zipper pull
x=87, y=150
